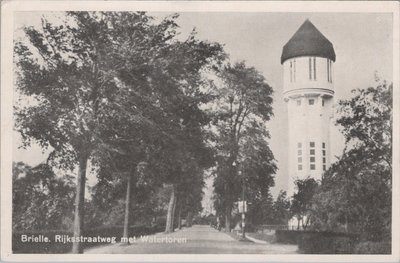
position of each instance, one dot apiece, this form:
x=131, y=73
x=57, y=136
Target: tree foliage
x=41, y=200
x=109, y=84
x=281, y=209
x=302, y=200
x=355, y=193
x=244, y=105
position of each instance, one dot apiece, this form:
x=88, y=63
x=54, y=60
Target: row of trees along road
x=121, y=91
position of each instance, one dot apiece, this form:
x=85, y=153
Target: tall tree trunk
x=179, y=216
x=169, y=226
x=173, y=212
x=127, y=206
x=77, y=247
x=228, y=220
x=189, y=219
x=307, y=222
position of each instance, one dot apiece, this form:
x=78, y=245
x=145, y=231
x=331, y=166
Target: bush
x=250, y=227
x=288, y=236
x=373, y=248
x=312, y=242
x=326, y=243
x=160, y=221
x=58, y=247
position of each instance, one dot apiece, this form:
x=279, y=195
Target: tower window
x=298, y=152
x=323, y=102
x=300, y=167
x=312, y=166
x=311, y=101
x=315, y=71
x=298, y=102
x=328, y=70
x=329, y=63
x=324, y=160
x=323, y=152
x=312, y=150
x=312, y=159
x=294, y=69
x=324, y=167
x=309, y=68
x=299, y=159
x=299, y=145
x=323, y=145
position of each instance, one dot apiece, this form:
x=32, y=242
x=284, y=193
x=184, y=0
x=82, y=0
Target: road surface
x=197, y=239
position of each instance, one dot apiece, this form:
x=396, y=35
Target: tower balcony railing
x=300, y=92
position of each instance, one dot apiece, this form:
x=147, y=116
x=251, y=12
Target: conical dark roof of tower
x=308, y=41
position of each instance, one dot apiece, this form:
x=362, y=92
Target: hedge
x=57, y=247
x=288, y=236
x=327, y=243
x=313, y=242
x=373, y=248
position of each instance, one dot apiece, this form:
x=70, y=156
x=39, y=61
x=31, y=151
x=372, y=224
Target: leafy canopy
x=355, y=193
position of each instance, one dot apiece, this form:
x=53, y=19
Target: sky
x=362, y=42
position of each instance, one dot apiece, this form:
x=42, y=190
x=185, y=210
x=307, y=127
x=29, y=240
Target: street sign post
x=242, y=207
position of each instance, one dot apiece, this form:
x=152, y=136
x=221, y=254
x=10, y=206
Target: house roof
x=308, y=41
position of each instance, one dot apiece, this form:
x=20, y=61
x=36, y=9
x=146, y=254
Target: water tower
x=307, y=60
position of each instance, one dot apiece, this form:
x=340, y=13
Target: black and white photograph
x=227, y=130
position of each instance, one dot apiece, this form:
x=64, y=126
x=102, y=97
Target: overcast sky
x=362, y=42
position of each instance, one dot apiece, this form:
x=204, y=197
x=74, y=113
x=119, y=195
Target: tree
x=188, y=182
x=355, y=193
x=281, y=209
x=41, y=200
x=175, y=82
x=244, y=104
x=302, y=201
x=187, y=152
x=128, y=164
x=190, y=194
x=65, y=69
x=257, y=172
